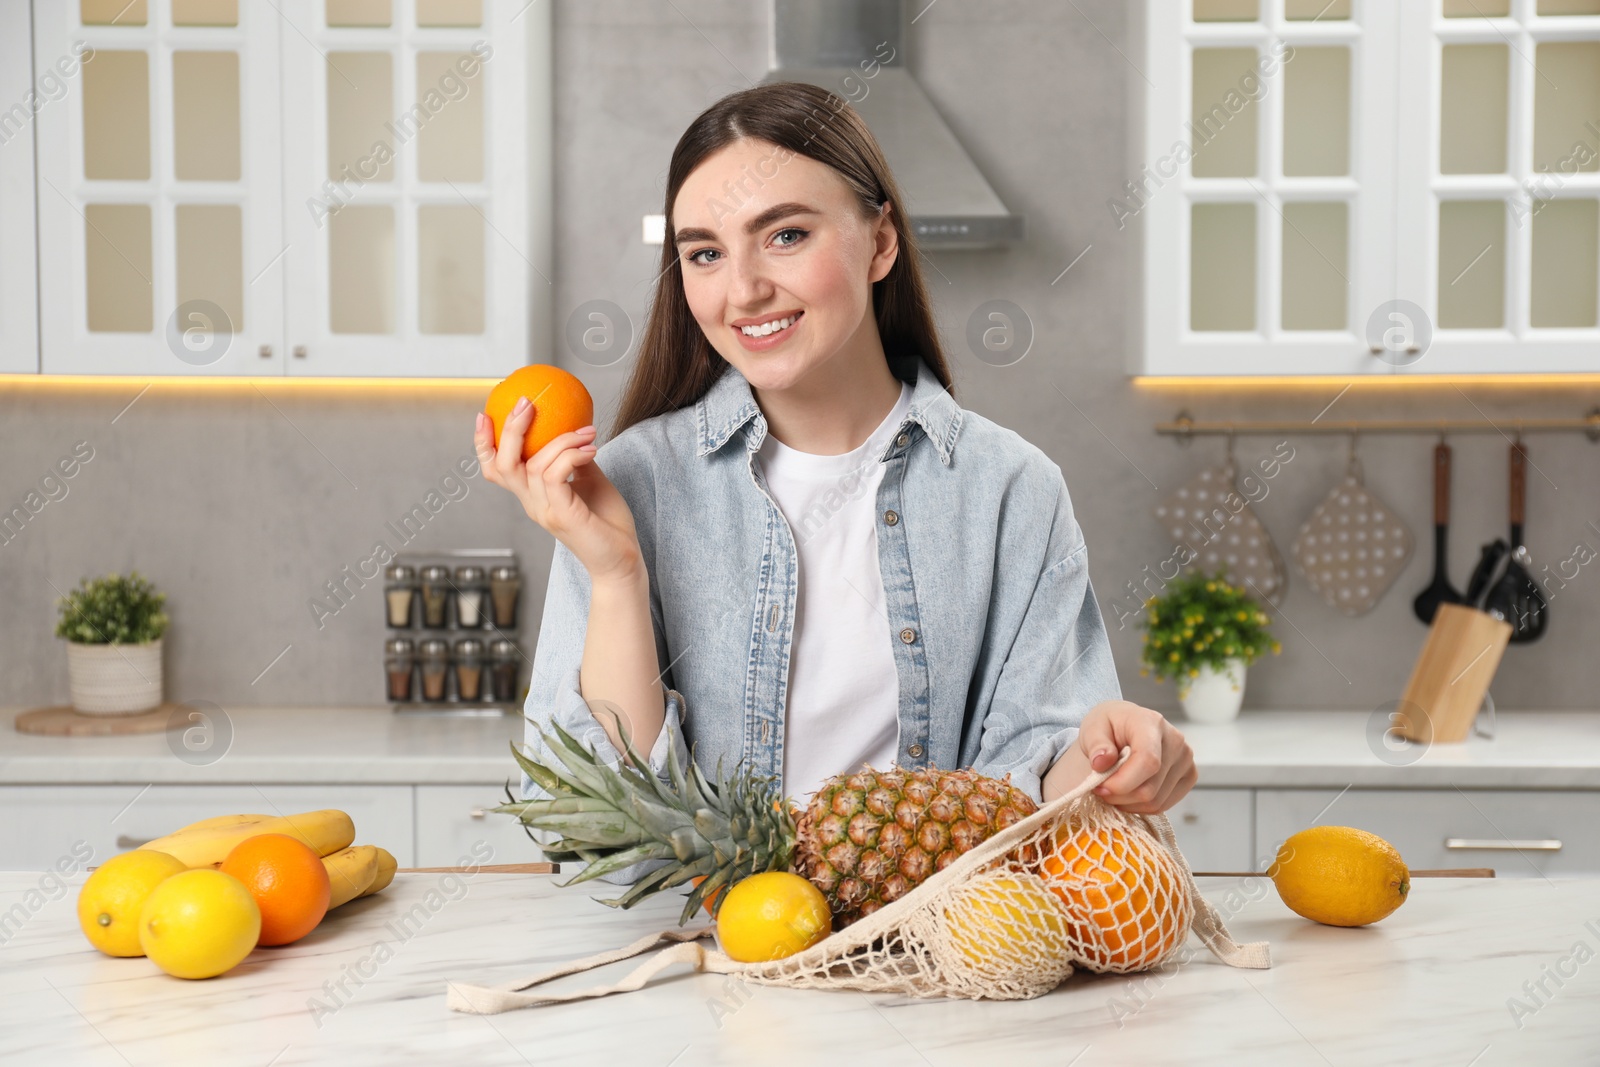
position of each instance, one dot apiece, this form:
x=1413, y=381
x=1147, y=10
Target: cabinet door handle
x=479, y=813
x=1191, y=817
x=124, y=841
x=1534, y=844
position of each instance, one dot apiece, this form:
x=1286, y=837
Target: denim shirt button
x=915, y=751
x=908, y=635
x=890, y=518
x=903, y=440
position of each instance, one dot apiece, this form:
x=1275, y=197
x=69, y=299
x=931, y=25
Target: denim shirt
x=997, y=639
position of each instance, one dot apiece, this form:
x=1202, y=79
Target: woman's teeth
x=767, y=328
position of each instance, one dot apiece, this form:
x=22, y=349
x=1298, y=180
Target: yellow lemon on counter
x=199, y=924
x=1340, y=876
x=111, y=900
x=1006, y=919
x=772, y=915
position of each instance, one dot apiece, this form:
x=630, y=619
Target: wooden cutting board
x=63, y=720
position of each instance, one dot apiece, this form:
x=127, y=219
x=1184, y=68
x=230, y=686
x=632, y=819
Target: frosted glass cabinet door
x=159, y=191
x=1267, y=197
x=412, y=242
x=19, y=324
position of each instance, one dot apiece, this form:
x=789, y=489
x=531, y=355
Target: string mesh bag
x=1078, y=883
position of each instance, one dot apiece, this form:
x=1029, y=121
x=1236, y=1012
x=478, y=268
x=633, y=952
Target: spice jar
x=506, y=667
x=435, y=592
x=399, y=664
x=400, y=592
x=469, y=668
x=471, y=591
x=504, y=583
x=435, y=656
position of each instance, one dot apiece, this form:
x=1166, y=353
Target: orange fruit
x=288, y=880
x=560, y=405
x=710, y=903
x=1127, y=904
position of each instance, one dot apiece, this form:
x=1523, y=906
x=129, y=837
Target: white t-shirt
x=843, y=703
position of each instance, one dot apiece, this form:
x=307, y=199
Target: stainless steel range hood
x=856, y=49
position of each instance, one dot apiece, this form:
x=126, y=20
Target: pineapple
x=865, y=839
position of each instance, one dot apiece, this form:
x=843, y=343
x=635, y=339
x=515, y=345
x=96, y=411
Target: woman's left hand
x=1160, y=768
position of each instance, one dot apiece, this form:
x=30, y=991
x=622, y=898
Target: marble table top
x=1261, y=749
x=1467, y=972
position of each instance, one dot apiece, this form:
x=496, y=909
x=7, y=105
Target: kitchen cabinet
x=41, y=824
x=19, y=337
x=1520, y=833
x=1367, y=189
x=1214, y=829
x=306, y=188
x=454, y=824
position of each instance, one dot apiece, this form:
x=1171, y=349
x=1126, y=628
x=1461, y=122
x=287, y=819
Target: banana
x=350, y=871
x=386, y=868
x=208, y=842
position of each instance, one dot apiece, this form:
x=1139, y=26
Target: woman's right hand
x=587, y=514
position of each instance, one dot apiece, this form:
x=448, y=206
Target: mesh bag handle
x=897, y=948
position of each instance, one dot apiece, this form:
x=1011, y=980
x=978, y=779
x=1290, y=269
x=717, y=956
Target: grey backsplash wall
x=241, y=503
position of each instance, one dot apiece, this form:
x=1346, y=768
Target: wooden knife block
x=1451, y=675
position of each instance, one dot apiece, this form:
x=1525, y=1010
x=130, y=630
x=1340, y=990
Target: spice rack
x=452, y=643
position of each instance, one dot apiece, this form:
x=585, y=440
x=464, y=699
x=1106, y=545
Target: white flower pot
x=1213, y=695
x=114, y=679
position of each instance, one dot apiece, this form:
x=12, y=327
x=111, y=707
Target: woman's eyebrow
x=766, y=218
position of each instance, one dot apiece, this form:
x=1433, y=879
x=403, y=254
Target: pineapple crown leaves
x=613, y=817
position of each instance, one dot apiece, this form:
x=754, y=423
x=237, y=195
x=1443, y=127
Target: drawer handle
x=124, y=841
x=1503, y=845
x=1191, y=817
x=479, y=813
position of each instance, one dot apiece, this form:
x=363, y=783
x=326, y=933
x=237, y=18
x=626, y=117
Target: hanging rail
x=1186, y=426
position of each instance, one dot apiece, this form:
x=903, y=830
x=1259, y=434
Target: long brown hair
x=677, y=365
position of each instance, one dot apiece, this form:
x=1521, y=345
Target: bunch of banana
x=354, y=870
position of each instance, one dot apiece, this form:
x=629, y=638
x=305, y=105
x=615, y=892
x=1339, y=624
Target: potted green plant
x=113, y=627
x=1203, y=633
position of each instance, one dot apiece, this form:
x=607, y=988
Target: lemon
x=1340, y=876
x=199, y=924
x=772, y=915
x=114, y=894
x=1006, y=917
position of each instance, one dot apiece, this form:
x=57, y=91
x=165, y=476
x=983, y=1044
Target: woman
x=795, y=527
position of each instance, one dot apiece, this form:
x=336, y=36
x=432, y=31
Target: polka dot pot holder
x=1353, y=546
x=1214, y=521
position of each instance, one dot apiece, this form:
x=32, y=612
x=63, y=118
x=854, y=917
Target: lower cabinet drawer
x=41, y=825
x=1213, y=827
x=1520, y=833
x=455, y=828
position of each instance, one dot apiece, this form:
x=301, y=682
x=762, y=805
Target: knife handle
x=1441, y=484
x=1519, y=482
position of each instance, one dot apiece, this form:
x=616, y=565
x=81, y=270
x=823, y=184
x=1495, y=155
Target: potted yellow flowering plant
x=1203, y=633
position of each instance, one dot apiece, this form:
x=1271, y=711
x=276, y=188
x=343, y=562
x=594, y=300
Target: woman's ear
x=886, y=243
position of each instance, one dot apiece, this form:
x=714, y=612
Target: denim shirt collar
x=729, y=404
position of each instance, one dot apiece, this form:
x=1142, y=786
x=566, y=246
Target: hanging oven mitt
x=1214, y=521
x=1353, y=546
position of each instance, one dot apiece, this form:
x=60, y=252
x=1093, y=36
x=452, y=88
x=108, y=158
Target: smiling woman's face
x=766, y=235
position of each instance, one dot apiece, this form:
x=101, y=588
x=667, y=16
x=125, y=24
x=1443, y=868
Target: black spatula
x=1441, y=591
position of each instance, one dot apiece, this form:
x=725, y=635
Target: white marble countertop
x=1434, y=983
x=1310, y=749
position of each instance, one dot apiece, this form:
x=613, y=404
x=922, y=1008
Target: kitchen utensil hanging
x=1516, y=595
x=1353, y=546
x=1214, y=521
x=1426, y=605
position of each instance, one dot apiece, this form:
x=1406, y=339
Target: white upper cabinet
x=302, y=187
x=1359, y=187
x=23, y=96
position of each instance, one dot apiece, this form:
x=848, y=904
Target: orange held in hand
x=288, y=881
x=560, y=405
